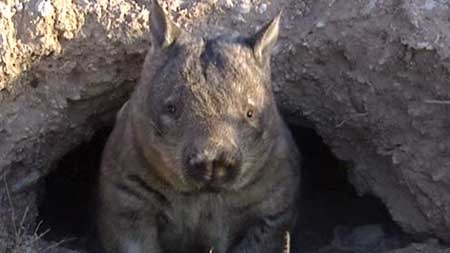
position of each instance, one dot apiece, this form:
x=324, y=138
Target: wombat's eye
x=170, y=108
x=249, y=113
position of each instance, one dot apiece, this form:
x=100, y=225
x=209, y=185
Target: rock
x=370, y=76
x=422, y=248
x=360, y=239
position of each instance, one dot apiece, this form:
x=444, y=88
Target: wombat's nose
x=213, y=168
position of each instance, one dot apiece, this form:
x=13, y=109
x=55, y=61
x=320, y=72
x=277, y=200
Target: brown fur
x=242, y=197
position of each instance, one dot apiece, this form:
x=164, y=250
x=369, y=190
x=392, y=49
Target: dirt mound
x=371, y=77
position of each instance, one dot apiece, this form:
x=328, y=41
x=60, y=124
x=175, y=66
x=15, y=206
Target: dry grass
x=434, y=101
x=23, y=238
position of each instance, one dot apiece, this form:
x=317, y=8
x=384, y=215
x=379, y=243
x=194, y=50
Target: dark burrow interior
x=333, y=218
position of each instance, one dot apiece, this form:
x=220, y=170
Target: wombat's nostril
x=213, y=169
x=226, y=166
x=198, y=168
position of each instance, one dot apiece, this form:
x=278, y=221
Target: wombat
x=200, y=157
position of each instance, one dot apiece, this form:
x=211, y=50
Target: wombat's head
x=203, y=114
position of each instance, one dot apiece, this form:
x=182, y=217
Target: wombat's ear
x=163, y=30
x=265, y=39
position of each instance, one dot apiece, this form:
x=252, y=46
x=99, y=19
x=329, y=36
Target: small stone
x=19, y=6
x=358, y=239
x=424, y=45
x=262, y=8
x=45, y=8
x=429, y=5
x=228, y=4
x=5, y=11
x=320, y=24
x=368, y=235
x=244, y=6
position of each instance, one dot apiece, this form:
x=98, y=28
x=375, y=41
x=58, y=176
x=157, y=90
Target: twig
x=54, y=245
x=37, y=237
x=38, y=226
x=433, y=101
x=24, y=216
x=287, y=243
x=357, y=115
x=13, y=212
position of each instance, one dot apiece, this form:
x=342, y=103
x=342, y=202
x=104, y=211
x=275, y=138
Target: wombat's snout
x=213, y=167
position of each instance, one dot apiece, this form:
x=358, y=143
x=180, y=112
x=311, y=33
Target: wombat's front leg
x=144, y=243
x=139, y=245
x=268, y=236
x=123, y=226
x=130, y=240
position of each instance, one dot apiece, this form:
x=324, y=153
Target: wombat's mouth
x=211, y=188
x=211, y=182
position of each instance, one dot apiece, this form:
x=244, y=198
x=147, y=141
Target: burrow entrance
x=333, y=218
